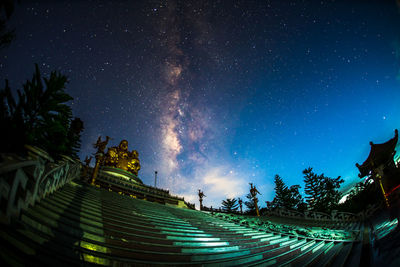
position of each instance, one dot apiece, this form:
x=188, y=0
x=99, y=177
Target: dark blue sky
x=216, y=94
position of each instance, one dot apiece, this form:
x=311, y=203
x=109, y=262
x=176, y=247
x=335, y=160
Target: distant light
x=343, y=199
x=384, y=117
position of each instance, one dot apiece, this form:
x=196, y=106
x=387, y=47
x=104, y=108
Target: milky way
x=217, y=94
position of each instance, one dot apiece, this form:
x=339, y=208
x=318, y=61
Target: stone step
x=274, y=245
x=89, y=243
x=314, y=255
x=291, y=251
x=50, y=220
x=260, y=255
x=174, y=225
x=104, y=247
x=353, y=259
x=177, y=230
x=205, y=243
x=81, y=223
x=147, y=223
x=303, y=253
x=34, y=250
x=328, y=256
x=112, y=211
x=341, y=257
x=245, y=256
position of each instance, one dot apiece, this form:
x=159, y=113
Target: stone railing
x=335, y=215
x=263, y=224
x=142, y=188
x=24, y=182
x=190, y=205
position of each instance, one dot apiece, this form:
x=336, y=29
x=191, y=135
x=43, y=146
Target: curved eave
x=379, y=154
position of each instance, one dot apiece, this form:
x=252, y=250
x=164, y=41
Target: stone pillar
x=86, y=168
x=253, y=193
x=201, y=195
x=383, y=190
x=255, y=199
x=99, y=159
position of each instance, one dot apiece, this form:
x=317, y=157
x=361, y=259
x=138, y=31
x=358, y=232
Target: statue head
x=123, y=145
x=135, y=154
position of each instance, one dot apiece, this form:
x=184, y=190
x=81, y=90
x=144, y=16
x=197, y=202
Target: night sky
x=217, y=94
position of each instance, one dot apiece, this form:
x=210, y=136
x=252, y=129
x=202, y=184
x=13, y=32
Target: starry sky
x=217, y=94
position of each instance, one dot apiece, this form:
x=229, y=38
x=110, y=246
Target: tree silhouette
x=251, y=208
x=294, y=199
x=321, y=191
x=287, y=197
x=40, y=117
x=230, y=205
x=6, y=35
x=280, y=192
x=362, y=195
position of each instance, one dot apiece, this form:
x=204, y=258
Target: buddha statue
x=121, y=158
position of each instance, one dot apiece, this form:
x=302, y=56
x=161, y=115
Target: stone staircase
x=83, y=225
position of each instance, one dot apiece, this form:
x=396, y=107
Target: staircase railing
x=335, y=216
x=24, y=182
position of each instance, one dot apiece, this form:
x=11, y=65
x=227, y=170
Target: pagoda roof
x=378, y=155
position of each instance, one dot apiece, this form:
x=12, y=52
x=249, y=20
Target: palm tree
x=40, y=117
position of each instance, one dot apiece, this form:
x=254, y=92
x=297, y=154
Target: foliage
x=251, y=208
x=362, y=195
x=287, y=197
x=6, y=35
x=230, y=205
x=280, y=192
x=321, y=191
x=40, y=117
x=294, y=199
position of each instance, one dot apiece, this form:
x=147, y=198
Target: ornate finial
x=253, y=193
x=88, y=160
x=201, y=195
x=101, y=145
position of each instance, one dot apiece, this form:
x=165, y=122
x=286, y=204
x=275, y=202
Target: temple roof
x=379, y=154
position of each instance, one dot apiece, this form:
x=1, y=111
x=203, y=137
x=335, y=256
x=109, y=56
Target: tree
x=321, y=191
x=6, y=35
x=280, y=192
x=294, y=200
x=251, y=208
x=362, y=195
x=312, y=188
x=41, y=117
x=230, y=205
x=285, y=197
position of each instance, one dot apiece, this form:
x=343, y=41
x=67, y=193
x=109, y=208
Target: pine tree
x=312, y=189
x=285, y=197
x=294, y=200
x=280, y=192
x=251, y=208
x=331, y=194
x=322, y=192
x=230, y=205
